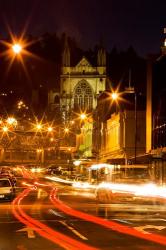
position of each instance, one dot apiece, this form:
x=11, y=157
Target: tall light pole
x=131, y=90
x=135, y=136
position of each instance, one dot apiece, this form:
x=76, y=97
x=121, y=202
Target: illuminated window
x=83, y=96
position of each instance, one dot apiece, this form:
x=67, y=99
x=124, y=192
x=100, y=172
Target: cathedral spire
x=66, y=54
x=101, y=55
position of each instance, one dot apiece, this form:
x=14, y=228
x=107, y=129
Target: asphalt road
x=60, y=217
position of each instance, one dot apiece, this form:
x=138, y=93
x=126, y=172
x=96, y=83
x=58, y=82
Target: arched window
x=56, y=99
x=83, y=96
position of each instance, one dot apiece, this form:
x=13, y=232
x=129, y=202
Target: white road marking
x=145, y=219
x=123, y=221
x=56, y=213
x=142, y=228
x=29, y=230
x=73, y=230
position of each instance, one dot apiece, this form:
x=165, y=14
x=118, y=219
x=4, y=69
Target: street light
x=11, y=121
x=131, y=90
x=83, y=116
x=5, y=129
x=50, y=129
x=17, y=48
x=66, y=130
x=38, y=127
x=114, y=96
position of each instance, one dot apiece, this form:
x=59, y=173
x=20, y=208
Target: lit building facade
x=85, y=144
x=120, y=143
x=156, y=113
x=81, y=84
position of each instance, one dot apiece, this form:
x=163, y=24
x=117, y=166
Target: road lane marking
x=29, y=230
x=56, y=213
x=146, y=219
x=123, y=221
x=142, y=228
x=73, y=230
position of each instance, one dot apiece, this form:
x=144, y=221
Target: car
x=12, y=178
x=54, y=169
x=7, y=190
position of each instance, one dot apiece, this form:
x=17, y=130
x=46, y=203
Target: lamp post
x=135, y=136
x=131, y=90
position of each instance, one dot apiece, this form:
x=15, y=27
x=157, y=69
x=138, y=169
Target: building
x=119, y=134
x=156, y=113
x=84, y=140
x=121, y=140
x=81, y=83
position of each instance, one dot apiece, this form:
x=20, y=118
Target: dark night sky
x=122, y=23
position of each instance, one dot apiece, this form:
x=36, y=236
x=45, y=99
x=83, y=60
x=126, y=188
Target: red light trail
x=108, y=224
x=45, y=231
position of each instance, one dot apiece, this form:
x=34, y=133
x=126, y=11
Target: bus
x=120, y=182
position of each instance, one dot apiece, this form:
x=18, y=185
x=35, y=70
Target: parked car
x=7, y=190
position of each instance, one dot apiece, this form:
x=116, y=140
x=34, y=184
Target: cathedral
x=80, y=84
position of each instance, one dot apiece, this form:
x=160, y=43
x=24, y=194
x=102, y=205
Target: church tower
x=101, y=60
x=66, y=54
x=81, y=83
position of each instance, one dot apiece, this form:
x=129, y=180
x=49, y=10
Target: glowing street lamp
x=5, y=129
x=83, y=116
x=38, y=127
x=50, y=129
x=72, y=122
x=114, y=96
x=17, y=48
x=66, y=130
x=39, y=150
x=11, y=121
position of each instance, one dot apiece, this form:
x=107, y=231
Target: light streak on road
x=27, y=184
x=145, y=190
x=41, y=184
x=108, y=224
x=83, y=185
x=27, y=174
x=59, y=180
x=45, y=231
x=150, y=190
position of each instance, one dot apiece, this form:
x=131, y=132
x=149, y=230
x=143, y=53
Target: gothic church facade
x=81, y=84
